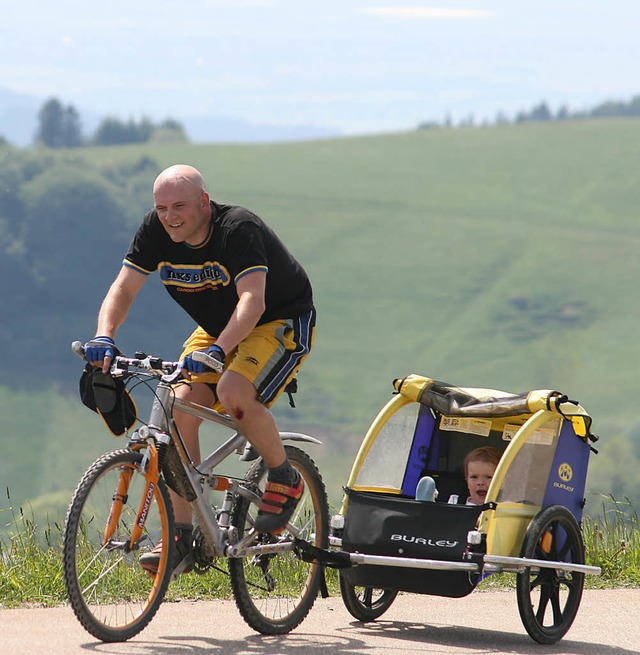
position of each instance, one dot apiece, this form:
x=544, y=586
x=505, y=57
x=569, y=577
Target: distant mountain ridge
x=19, y=119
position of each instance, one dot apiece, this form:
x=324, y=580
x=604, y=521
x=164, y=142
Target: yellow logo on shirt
x=193, y=277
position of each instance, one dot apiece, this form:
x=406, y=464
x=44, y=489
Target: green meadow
x=502, y=257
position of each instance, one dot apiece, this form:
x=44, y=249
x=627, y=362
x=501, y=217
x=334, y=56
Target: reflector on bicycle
x=108, y=397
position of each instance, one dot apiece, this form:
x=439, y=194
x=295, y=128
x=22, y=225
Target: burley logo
x=565, y=473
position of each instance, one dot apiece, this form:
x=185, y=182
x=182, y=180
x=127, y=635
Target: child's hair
x=487, y=454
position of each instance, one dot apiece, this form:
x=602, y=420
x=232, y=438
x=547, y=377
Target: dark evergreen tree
x=112, y=131
x=71, y=128
x=58, y=126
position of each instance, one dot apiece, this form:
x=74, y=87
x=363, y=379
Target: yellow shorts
x=269, y=357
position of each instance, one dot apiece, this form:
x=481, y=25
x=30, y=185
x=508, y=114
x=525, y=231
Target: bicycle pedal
x=185, y=566
x=249, y=454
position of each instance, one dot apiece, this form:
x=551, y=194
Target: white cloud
x=427, y=13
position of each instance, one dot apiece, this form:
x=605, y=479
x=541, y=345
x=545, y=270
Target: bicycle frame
x=120, y=525
x=217, y=532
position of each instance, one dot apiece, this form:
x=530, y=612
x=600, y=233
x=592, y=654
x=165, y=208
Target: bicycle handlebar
x=168, y=370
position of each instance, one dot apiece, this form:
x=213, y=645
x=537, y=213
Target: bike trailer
x=425, y=431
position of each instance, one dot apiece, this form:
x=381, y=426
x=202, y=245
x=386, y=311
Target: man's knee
x=236, y=393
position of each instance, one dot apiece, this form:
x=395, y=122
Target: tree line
x=60, y=126
x=66, y=221
x=542, y=112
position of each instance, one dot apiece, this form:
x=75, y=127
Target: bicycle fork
x=152, y=476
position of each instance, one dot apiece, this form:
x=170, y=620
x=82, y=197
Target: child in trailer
x=479, y=466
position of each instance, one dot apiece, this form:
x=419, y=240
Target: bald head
x=180, y=174
x=182, y=204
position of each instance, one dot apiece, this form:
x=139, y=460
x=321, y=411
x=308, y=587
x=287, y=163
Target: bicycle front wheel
x=112, y=596
x=274, y=592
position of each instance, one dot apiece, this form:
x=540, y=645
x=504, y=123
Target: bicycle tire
x=112, y=596
x=366, y=603
x=548, y=600
x=274, y=593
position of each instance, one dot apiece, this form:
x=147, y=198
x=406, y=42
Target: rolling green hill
x=501, y=257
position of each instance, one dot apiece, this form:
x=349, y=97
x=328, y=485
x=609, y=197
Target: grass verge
x=31, y=569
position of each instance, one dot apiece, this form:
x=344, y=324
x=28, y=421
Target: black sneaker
x=182, y=557
x=279, y=501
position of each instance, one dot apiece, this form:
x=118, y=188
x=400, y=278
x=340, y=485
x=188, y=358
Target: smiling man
x=252, y=302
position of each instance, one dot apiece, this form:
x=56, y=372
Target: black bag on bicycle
x=109, y=397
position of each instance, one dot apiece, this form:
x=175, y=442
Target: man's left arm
x=251, y=305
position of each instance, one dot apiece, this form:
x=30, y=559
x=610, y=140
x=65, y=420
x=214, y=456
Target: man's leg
x=251, y=417
x=256, y=422
x=188, y=427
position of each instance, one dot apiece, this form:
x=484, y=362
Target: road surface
x=608, y=623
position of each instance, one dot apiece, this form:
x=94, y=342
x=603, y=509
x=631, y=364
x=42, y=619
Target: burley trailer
x=529, y=523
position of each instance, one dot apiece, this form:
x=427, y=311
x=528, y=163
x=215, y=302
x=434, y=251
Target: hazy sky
x=354, y=65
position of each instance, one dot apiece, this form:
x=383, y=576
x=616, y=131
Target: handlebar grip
x=78, y=348
x=211, y=362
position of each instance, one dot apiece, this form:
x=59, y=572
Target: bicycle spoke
x=101, y=577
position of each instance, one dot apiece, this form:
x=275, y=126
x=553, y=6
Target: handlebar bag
x=109, y=397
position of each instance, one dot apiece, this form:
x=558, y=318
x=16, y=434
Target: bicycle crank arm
x=269, y=549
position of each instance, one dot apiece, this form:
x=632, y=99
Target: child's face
x=479, y=475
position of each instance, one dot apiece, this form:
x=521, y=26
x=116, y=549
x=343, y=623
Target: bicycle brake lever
x=170, y=378
x=211, y=362
x=78, y=348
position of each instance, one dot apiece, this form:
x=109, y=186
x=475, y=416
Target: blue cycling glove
x=200, y=367
x=98, y=348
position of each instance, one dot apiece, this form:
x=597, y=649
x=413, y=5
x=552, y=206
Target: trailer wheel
x=548, y=599
x=366, y=603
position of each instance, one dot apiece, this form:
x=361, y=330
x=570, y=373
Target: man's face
x=479, y=476
x=183, y=210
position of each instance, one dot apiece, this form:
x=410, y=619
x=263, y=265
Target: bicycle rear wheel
x=112, y=596
x=274, y=592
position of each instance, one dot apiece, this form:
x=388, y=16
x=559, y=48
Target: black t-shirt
x=202, y=279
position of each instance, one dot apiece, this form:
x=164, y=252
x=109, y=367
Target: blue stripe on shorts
x=303, y=332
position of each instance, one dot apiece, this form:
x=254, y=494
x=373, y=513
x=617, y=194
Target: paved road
x=608, y=623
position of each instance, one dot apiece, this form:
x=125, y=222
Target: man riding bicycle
x=253, y=305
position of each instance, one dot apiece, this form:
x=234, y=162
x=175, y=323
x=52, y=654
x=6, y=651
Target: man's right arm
x=117, y=303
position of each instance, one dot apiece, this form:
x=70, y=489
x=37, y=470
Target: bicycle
x=121, y=508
